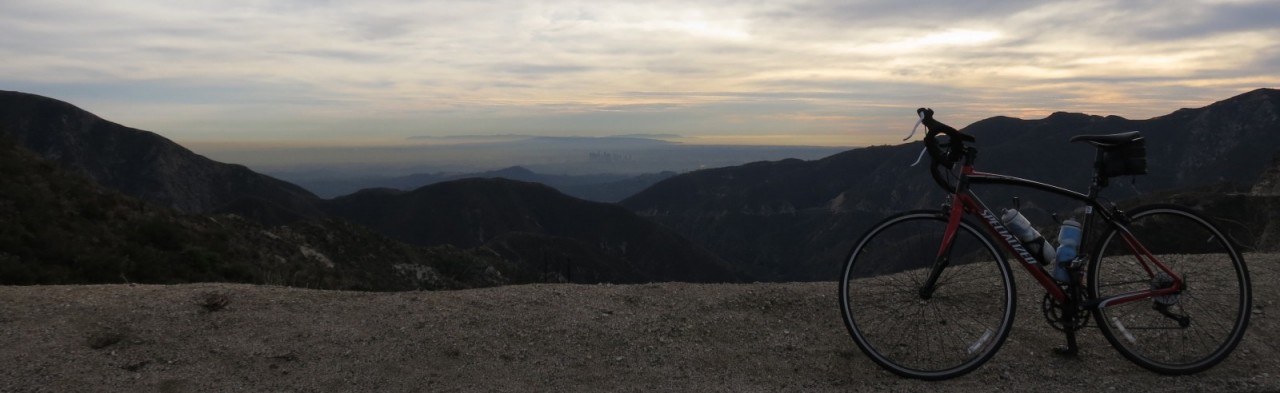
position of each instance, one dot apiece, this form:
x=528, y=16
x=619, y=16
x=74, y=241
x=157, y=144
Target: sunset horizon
x=807, y=73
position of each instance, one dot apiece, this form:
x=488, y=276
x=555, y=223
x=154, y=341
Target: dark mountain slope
x=793, y=220
x=1232, y=140
x=1250, y=216
x=140, y=163
x=551, y=236
x=58, y=227
x=538, y=226
x=1268, y=183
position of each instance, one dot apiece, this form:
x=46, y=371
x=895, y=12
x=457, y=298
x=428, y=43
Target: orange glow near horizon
x=825, y=72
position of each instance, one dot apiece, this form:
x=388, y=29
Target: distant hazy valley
x=605, y=169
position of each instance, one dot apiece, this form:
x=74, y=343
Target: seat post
x=1099, y=181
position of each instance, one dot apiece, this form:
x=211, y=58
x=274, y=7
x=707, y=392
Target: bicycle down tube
x=966, y=202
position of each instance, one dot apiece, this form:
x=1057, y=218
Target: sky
x=816, y=72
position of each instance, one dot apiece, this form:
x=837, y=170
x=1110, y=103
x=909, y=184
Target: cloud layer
x=818, y=72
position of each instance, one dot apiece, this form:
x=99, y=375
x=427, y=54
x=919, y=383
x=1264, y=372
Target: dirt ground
x=655, y=337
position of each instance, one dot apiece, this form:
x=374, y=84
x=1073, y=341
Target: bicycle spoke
x=1214, y=304
x=953, y=329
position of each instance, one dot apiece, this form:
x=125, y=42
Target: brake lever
x=913, y=129
x=921, y=157
x=913, y=133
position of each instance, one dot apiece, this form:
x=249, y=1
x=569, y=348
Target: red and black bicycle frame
x=963, y=201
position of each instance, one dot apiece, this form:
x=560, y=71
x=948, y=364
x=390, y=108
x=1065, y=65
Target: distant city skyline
x=814, y=72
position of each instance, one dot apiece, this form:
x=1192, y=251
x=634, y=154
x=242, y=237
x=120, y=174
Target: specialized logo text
x=1008, y=237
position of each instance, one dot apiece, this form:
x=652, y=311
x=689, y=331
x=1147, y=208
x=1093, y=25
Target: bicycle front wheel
x=936, y=333
x=1183, y=333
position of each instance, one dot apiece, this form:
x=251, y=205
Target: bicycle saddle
x=1108, y=140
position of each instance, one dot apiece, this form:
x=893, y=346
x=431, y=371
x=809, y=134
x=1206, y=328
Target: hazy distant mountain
x=140, y=163
x=536, y=226
x=590, y=141
x=544, y=155
x=794, y=220
x=598, y=187
x=603, y=187
x=501, y=137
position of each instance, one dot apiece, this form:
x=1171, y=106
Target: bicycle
x=926, y=294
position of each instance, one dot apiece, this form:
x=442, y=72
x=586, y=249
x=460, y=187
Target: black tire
x=1216, y=298
x=945, y=335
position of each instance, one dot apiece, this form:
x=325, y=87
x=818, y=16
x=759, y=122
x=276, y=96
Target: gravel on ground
x=555, y=337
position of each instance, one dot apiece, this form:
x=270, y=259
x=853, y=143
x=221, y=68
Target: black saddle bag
x=1125, y=159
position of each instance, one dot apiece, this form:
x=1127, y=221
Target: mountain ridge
x=770, y=220
x=490, y=211
x=147, y=166
x=598, y=187
x=139, y=163
x=59, y=227
x=794, y=220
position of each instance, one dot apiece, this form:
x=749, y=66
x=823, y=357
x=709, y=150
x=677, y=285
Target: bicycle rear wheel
x=1183, y=333
x=947, y=333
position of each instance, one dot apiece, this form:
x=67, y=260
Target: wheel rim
x=1215, y=299
x=951, y=332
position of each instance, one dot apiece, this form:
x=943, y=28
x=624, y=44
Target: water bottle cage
x=1078, y=262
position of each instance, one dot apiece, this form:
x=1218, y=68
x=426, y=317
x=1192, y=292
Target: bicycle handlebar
x=954, y=146
x=936, y=127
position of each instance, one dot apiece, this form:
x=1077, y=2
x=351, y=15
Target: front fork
x=940, y=263
x=930, y=284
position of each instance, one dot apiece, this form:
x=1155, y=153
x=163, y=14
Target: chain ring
x=1054, y=313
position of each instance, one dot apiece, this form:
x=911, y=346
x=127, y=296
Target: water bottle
x=1030, y=238
x=1068, y=244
